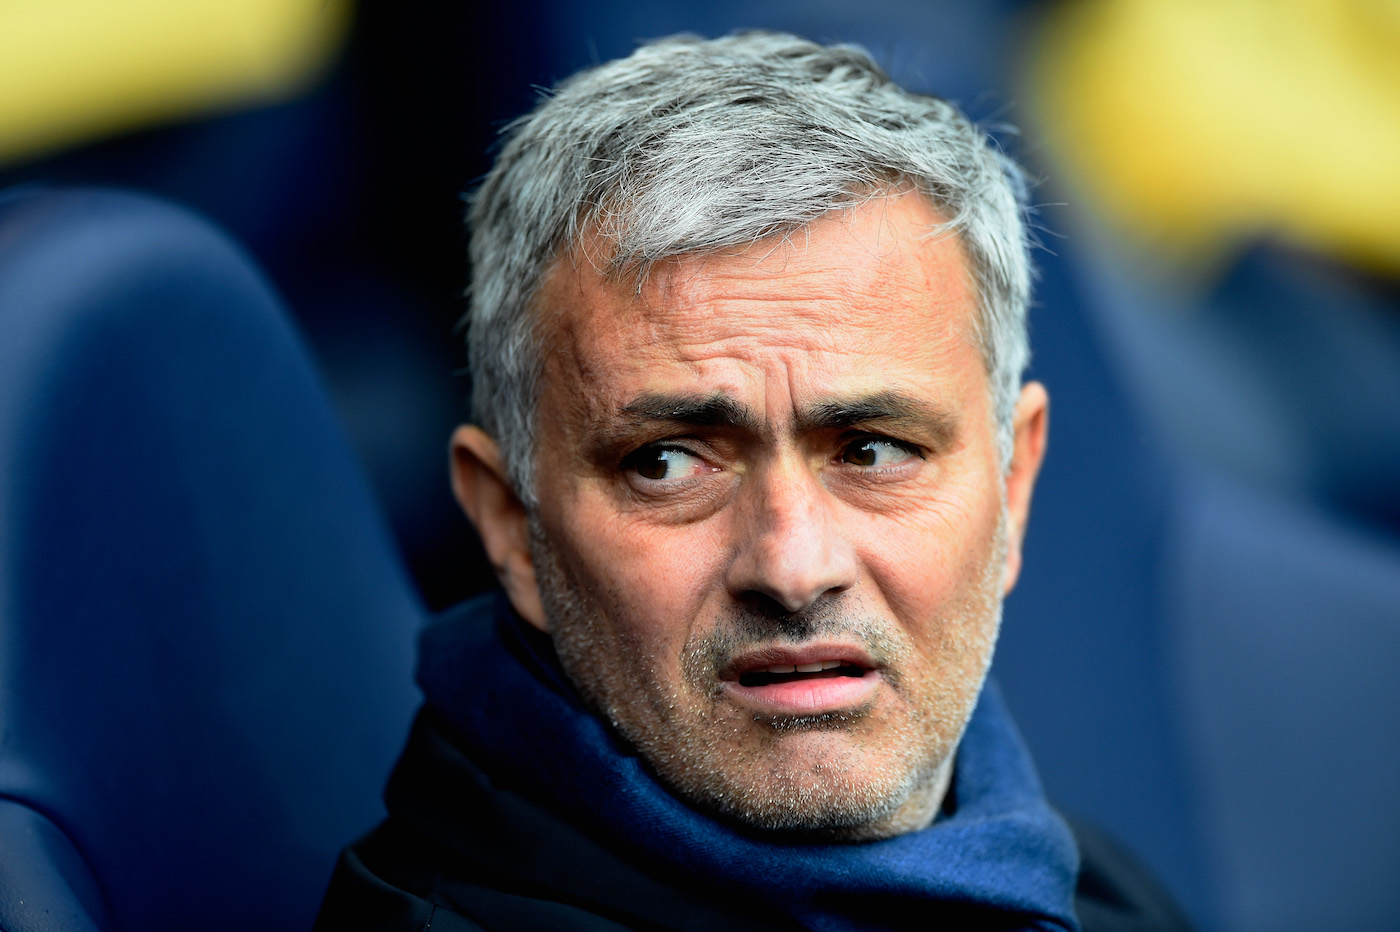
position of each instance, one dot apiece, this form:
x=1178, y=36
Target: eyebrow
x=887, y=409
x=692, y=410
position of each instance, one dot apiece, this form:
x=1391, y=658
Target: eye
x=663, y=463
x=874, y=452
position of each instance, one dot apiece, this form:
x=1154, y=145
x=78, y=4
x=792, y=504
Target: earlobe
x=1031, y=425
x=486, y=495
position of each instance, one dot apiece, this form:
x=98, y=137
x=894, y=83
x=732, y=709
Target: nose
x=791, y=545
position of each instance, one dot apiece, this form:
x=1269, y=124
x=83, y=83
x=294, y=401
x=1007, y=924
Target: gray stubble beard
x=697, y=757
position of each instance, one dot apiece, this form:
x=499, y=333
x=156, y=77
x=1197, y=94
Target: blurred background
x=1201, y=650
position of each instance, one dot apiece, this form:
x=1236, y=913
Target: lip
x=794, y=654
x=816, y=695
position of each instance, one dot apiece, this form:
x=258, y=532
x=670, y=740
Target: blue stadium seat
x=205, y=632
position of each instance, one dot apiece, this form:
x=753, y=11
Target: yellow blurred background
x=1193, y=126
x=75, y=70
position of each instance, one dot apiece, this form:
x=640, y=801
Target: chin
x=828, y=810
x=811, y=793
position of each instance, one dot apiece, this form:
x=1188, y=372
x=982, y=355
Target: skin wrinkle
x=649, y=589
x=691, y=288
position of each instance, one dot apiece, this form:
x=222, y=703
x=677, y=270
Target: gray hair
x=689, y=146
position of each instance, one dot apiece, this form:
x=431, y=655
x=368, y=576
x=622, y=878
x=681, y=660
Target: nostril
x=767, y=604
x=762, y=615
x=777, y=600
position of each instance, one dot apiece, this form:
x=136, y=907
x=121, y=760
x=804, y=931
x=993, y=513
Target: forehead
x=873, y=290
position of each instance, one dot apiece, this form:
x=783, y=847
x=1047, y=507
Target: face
x=773, y=530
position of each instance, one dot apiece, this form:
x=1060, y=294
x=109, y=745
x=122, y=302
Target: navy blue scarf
x=998, y=844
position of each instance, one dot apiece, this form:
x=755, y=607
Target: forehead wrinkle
x=797, y=279
x=820, y=320
x=699, y=308
x=716, y=309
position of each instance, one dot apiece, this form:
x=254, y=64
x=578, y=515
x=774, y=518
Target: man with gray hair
x=752, y=461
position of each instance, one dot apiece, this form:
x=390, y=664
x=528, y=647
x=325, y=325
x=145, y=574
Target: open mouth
x=796, y=673
x=804, y=681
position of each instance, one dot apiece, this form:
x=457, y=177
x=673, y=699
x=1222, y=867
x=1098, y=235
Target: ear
x=1030, y=425
x=486, y=495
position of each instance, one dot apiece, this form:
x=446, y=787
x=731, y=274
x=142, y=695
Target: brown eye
x=662, y=463
x=875, y=451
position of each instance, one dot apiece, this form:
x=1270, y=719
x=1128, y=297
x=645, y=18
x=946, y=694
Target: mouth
x=814, y=680
x=797, y=673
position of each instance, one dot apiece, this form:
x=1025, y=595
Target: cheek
x=933, y=567
x=649, y=584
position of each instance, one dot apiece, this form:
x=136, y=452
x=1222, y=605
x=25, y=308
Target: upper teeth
x=814, y=667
